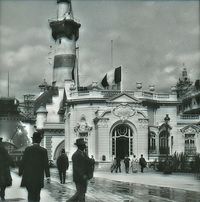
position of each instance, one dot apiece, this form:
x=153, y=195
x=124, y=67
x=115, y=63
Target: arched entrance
x=58, y=149
x=122, y=141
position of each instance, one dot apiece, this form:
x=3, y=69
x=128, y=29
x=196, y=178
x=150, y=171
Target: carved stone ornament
x=124, y=111
x=82, y=127
x=190, y=130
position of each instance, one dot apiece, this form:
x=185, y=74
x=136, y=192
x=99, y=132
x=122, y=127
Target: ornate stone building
x=112, y=122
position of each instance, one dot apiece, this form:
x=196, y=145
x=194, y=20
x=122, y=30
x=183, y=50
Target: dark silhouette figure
x=5, y=177
x=62, y=165
x=118, y=164
x=127, y=164
x=82, y=168
x=34, y=164
x=113, y=166
x=92, y=163
x=142, y=163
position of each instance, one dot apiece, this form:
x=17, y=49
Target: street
x=103, y=188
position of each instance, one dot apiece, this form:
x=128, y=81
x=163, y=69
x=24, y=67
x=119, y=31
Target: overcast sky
x=151, y=40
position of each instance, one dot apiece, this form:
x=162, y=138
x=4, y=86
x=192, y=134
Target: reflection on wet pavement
x=103, y=190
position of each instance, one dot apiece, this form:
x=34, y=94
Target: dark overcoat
x=62, y=162
x=5, y=162
x=82, y=165
x=34, y=164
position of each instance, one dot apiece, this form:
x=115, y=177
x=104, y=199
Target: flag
x=112, y=77
x=104, y=82
x=118, y=74
x=73, y=77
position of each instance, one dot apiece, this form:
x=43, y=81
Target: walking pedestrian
x=126, y=163
x=5, y=177
x=82, y=165
x=92, y=163
x=134, y=164
x=62, y=165
x=142, y=163
x=118, y=164
x=34, y=164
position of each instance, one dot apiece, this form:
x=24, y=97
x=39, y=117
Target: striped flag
x=112, y=77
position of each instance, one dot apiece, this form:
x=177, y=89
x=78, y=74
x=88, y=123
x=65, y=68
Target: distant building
x=113, y=123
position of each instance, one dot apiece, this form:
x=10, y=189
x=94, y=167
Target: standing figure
x=114, y=164
x=126, y=163
x=142, y=163
x=118, y=164
x=92, y=163
x=5, y=177
x=134, y=164
x=34, y=164
x=62, y=165
x=82, y=166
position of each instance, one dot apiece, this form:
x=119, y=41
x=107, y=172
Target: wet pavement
x=105, y=190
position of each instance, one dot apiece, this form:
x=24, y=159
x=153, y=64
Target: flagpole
x=121, y=79
x=8, y=84
x=111, y=62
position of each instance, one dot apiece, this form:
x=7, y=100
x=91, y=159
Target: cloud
x=151, y=40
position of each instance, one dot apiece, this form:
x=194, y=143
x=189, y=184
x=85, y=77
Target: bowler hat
x=37, y=136
x=80, y=141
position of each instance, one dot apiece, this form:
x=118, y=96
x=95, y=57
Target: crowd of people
x=134, y=164
x=34, y=165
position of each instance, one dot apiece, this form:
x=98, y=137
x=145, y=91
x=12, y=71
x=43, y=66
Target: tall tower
x=65, y=32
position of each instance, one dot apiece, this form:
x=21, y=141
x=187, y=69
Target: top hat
x=80, y=141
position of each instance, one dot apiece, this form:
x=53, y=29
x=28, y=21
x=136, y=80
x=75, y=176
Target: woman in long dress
x=134, y=164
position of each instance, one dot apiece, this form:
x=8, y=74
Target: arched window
x=190, y=147
x=163, y=142
x=152, y=142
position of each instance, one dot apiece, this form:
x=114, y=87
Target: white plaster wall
x=53, y=108
x=75, y=115
x=40, y=120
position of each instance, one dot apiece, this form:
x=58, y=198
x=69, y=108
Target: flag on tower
x=112, y=77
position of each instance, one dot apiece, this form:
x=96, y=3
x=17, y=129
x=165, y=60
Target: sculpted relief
x=124, y=111
x=82, y=128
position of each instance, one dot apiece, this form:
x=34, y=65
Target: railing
x=190, y=150
x=189, y=116
x=137, y=94
x=147, y=94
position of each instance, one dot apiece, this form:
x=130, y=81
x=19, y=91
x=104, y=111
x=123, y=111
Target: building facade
x=112, y=122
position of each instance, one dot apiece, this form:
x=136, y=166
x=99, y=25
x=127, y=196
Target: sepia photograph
x=100, y=100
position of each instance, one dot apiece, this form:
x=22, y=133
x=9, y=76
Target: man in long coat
x=82, y=166
x=62, y=165
x=34, y=164
x=5, y=177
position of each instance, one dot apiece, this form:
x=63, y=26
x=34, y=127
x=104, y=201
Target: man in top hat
x=34, y=164
x=81, y=168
